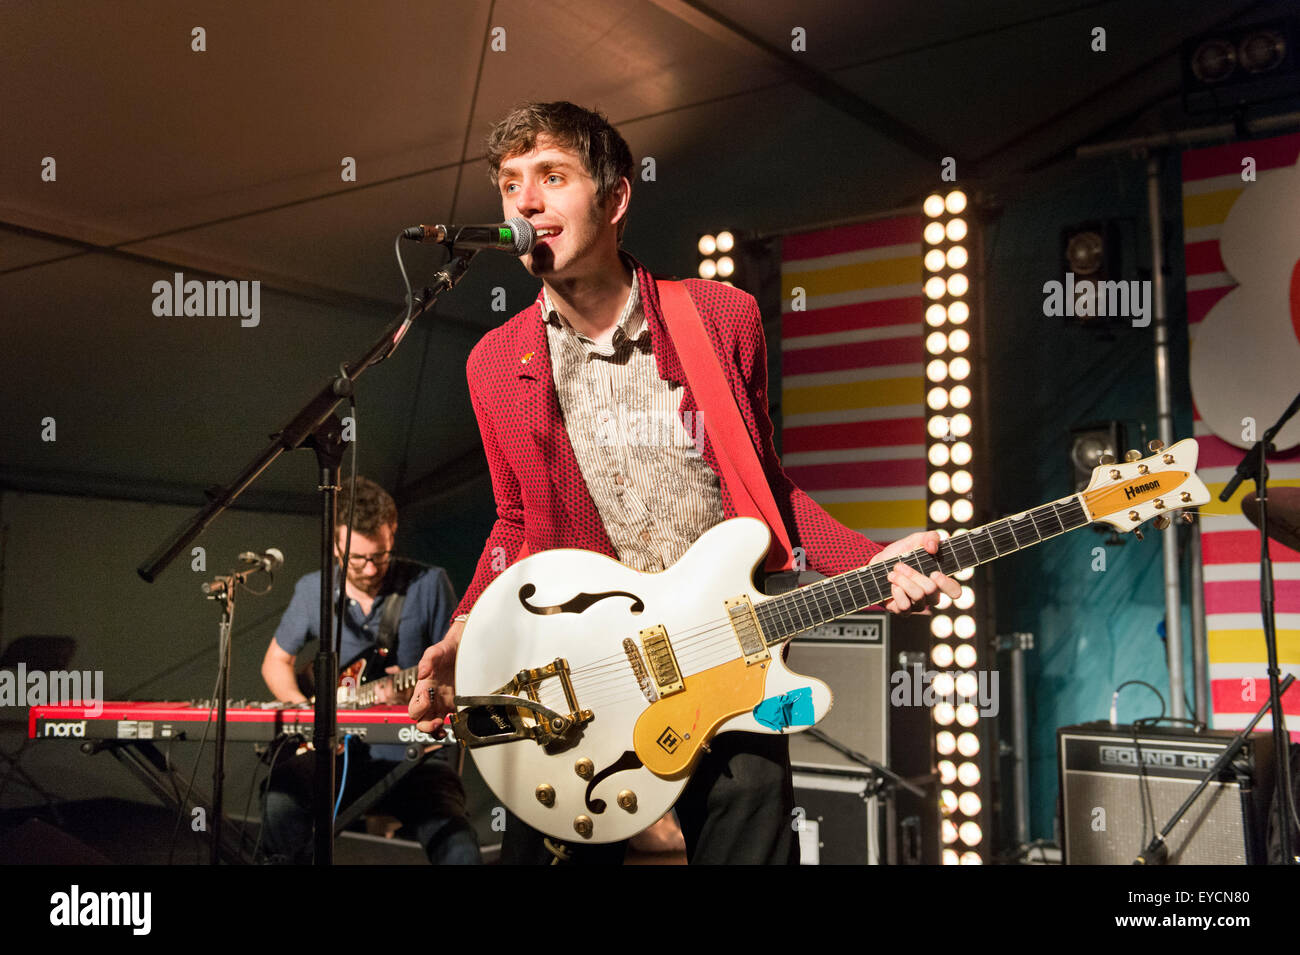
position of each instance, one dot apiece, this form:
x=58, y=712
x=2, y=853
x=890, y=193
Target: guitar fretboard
x=826, y=600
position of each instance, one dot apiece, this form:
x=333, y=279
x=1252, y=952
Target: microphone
x=270, y=560
x=516, y=236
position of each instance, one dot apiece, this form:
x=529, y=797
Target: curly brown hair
x=603, y=151
x=375, y=507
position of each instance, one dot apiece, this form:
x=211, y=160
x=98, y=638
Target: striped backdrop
x=1230, y=549
x=853, y=425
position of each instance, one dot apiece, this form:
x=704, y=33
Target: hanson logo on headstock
x=1137, y=489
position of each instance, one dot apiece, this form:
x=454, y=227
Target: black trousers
x=737, y=809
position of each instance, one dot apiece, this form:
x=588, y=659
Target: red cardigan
x=540, y=492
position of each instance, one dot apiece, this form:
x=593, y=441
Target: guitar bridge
x=516, y=711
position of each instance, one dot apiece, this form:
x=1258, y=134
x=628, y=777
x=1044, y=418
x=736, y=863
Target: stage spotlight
x=959, y=369
x=968, y=744
x=936, y=342
x=944, y=684
x=966, y=600
x=958, y=284
x=1261, y=51
x=941, y=626
x=948, y=802
x=945, y=743
x=968, y=774
x=950, y=857
x=934, y=260
x=971, y=833
x=938, y=455
x=940, y=511
x=940, y=483
x=958, y=340
x=961, y=482
x=949, y=835
x=968, y=716
x=958, y=312
x=707, y=245
x=971, y=858
x=726, y=241
x=959, y=396
x=964, y=626
x=933, y=206
x=936, y=315
x=964, y=655
x=969, y=804
x=726, y=265
x=962, y=511
x=966, y=686
x=1089, y=444
x=959, y=423
x=935, y=287
x=955, y=202
x=934, y=233
x=937, y=426
x=708, y=269
x=961, y=454
x=955, y=230
x=942, y=656
x=937, y=370
x=936, y=399
x=947, y=768
x=956, y=257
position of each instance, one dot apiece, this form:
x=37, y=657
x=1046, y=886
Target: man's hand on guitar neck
x=913, y=591
x=434, y=696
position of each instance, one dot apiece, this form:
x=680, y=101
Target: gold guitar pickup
x=744, y=622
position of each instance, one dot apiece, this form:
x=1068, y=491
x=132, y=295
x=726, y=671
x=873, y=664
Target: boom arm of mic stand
x=304, y=423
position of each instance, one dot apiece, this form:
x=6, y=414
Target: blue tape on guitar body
x=789, y=709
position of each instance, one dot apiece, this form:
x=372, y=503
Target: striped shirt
x=653, y=489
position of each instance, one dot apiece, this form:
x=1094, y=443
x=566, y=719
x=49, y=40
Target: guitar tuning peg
x=1186, y=517
x=1108, y=459
x=1161, y=522
x=1133, y=455
x=1155, y=445
x=1138, y=534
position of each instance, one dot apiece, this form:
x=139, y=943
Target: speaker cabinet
x=838, y=822
x=849, y=655
x=1120, y=786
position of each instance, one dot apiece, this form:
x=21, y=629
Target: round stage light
x=971, y=833
x=708, y=269
x=968, y=744
x=944, y=684
x=955, y=202
x=726, y=241
x=960, y=396
x=933, y=205
x=960, y=423
x=961, y=482
x=941, y=626
x=956, y=257
x=968, y=716
x=967, y=598
x=934, y=259
x=939, y=482
x=942, y=655
x=944, y=600
x=945, y=743
x=950, y=857
x=936, y=315
x=949, y=834
x=958, y=312
x=964, y=626
x=960, y=454
x=959, y=340
x=938, y=455
x=726, y=266
x=708, y=245
x=937, y=426
x=936, y=342
x=935, y=287
x=1214, y=61
x=947, y=770
x=944, y=714
x=934, y=233
x=1262, y=51
x=969, y=774
x=956, y=230
x=948, y=802
x=969, y=804
x=962, y=511
x=936, y=399
x=958, y=284
x=940, y=511
x=959, y=369
x=966, y=686
x=937, y=370
x=971, y=858
x=965, y=656
x=966, y=574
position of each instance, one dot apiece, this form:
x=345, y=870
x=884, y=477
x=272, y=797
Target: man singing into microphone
x=594, y=342
x=397, y=607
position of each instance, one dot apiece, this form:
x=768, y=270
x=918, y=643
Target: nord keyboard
x=254, y=723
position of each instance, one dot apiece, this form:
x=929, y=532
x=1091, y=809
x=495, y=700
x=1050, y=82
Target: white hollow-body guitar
x=588, y=692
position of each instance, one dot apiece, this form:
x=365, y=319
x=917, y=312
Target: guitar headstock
x=1124, y=494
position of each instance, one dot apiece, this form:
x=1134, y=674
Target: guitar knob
x=582, y=826
x=627, y=800
x=1108, y=459
x=1161, y=522
x=1186, y=517
x=1155, y=445
x=1133, y=455
x=546, y=795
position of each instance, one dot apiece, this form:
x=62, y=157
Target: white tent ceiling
x=226, y=163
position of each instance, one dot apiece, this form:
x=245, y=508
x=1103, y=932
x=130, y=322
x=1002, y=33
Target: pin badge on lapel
x=524, y=360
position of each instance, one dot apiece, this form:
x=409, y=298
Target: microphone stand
x=1255, y=467
x=318, y=427
x=1157, y=852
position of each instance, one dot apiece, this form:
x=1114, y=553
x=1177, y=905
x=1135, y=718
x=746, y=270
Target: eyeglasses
x=360, y=560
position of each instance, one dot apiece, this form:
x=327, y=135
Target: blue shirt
x=426, y=615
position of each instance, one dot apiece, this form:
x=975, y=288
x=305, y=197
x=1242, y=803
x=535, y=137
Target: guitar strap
x=404, y=572
x=715, y=400
x=732, y=445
